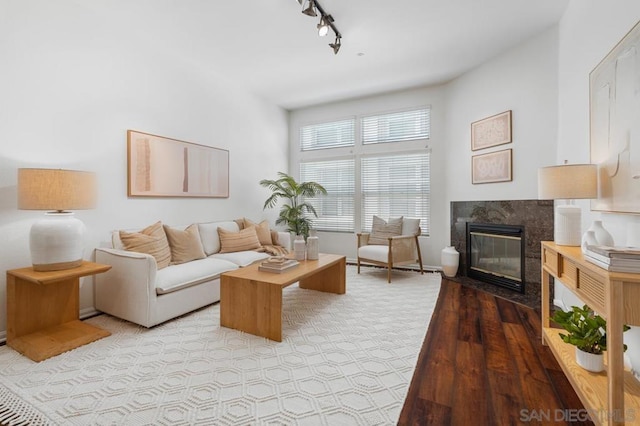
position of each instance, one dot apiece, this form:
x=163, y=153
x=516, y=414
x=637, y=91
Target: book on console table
x=615, y=252
x=612, y=264
x=277, y=265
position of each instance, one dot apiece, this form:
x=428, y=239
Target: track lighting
x=336, y=45
x=310, y=10
x=326, y=22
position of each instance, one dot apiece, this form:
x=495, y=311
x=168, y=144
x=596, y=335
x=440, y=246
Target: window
x=396, y=126
x=335, y=210
x=327, y=135
x=361, y=181
x=396, y=185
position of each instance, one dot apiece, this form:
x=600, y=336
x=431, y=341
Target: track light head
x=310, y=10
x=323, y=27
x=336, y=45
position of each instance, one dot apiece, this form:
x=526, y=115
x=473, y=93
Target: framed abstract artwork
x=491, y=167
x=491, y=131
x=163, y=167
x=614, y=126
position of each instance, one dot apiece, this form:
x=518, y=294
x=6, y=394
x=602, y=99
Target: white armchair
x=391, y=244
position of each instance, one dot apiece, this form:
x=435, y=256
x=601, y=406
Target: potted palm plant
x=294, y=213
x=587, y=332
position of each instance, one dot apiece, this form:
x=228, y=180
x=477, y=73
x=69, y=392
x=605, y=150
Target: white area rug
x=344, y=359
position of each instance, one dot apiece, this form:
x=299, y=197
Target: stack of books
x=277, y=264
x=614, y=259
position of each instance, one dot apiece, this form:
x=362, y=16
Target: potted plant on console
x=587, y=332
x=294, y=214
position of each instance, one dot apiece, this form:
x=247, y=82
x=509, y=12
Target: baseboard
x=88, y=313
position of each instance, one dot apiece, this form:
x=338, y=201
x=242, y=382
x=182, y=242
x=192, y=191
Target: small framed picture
x=491, y=167
x=491, y=131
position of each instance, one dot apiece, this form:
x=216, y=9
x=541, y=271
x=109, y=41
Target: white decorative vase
x=299, y=247
x=590, y=362
x=603, y=237
x=450, y=259
x=313, y=246
x=589, y=239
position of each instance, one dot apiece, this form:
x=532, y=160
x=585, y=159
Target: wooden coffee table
x=251, y=300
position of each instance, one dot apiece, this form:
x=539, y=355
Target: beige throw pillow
x=151, y=240
x=185, y=245
x=230, y=242
x=381, y=230
x=262, y=230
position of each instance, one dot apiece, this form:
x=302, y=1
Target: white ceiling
x=274, y=50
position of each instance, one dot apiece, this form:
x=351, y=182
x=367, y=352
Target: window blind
x=328, y=135
x=336, y=209
x=397, y=126
x=396, y=185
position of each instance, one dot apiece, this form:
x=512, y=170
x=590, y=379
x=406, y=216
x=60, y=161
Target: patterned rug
x=344, y=360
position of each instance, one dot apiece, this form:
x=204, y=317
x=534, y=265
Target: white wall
x=588, y=30
x=72, y=81
x=523, y=80
x=345, y=243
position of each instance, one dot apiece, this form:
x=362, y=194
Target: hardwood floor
x=482, y=363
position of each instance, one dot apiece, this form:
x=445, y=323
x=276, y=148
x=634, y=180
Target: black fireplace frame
x=497, y=229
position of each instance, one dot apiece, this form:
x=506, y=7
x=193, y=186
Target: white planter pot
x=590, y=362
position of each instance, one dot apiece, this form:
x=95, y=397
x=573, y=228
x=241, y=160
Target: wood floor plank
x=537, y=393
x=470, y=385
x=493, y=339
x=469, y=323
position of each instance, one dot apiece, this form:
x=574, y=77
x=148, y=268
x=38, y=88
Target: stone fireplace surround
x=537, y=218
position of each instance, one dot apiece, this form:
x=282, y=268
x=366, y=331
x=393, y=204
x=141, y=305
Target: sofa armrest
x=129, y=287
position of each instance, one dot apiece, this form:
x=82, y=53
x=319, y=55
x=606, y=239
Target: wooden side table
x=43, y=311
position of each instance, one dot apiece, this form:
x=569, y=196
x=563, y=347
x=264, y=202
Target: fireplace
x=535, y=216
x=495, y=254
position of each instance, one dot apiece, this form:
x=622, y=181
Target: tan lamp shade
x=56, y=189
x=568, y=182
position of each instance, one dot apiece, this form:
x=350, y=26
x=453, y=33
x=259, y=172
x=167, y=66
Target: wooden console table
x=43, y=311
x=612, y=397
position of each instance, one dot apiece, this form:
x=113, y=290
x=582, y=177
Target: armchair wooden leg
x=358, y=263
x=389, y=275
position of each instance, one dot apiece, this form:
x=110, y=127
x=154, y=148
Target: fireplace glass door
x=495, y=254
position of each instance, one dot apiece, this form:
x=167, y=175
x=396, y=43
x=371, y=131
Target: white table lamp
x=568, y=182
x=56, y=242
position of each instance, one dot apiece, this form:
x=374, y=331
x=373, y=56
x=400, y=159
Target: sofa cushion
x=262, y=230
x=177, y=277
x=242, y=258
x=209, y=234
x=378, y=252
x=381, y=230
x=185, y=244
x=151, y=240
x=230, y=242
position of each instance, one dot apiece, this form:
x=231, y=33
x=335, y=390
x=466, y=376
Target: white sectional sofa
x=135, y=289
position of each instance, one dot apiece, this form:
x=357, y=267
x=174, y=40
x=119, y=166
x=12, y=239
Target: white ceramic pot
x=299, y=248
x=603, y=236
x=590, y=362
x=450, y=259
x=313, y=248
